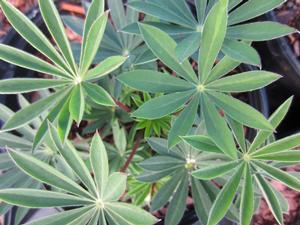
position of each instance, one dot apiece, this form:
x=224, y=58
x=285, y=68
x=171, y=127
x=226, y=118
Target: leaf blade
x=99, y=163
x=213, y=35
x=157, y=108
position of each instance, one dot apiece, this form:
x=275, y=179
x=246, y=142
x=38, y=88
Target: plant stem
x=133, y=152
x=122, y=106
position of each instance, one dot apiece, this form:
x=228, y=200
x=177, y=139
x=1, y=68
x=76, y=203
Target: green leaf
x=213, y=35
x=24, y=85
x=247, y=201
x=98, y=94
x=73, y=159
x=201, y=10
x=241, y=111
x=31, y=33
x=202, y=143
x=252, y=9
x=212, y=172
x=99, y=163
x=188, y=46
x=160, y=162
x=164, y=194
x=154, y=82
x=105, y=67
x=131, y=214
x=115, y=187
x=241, y=52
x=64, y=122
x=225, y=197
x=91, y=43
x=153, y=176
x=183, y=123
x=160, y=12
x=238, y=131
x=31, y=112
x=216, y=125
x=287, y=156
x=163, y=105
x=102, y=219
x=247, y=81
x=53, y=114
x=164, y=47
x=77, y=103
x=222, y=68
x=64, y=217
x=171, y=29
x=275, y=120
x=57, y=30
x=259, y=31
x=28, y=61
x=46, y=174
x=83, y=218
x=280, y=175
x=117, y=13
x=160, y=146
x=40, y=199
x=233, y=3
x=271, y=198
x=95, y=10
x=178, y=203
x=281, y=145
x=202, y=201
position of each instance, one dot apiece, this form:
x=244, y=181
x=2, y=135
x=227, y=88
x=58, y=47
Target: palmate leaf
x=259, y=163
x=182, y=161
x=184, y=28
x=158, y=82
x=95, y=205
x=69, y=76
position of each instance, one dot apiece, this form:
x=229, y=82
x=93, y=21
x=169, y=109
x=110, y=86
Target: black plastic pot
x=282, y=59
x=278, y=56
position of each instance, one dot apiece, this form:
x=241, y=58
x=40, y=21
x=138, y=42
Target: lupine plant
x=142, y=116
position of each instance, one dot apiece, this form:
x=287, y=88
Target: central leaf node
x=190, y=164
x=199, y=28
x=99, y=204
x=200, y=88
x=247, y=157
x=78, y=80
x=126, y=52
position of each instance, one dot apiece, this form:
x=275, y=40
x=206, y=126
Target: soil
x=289, y=13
